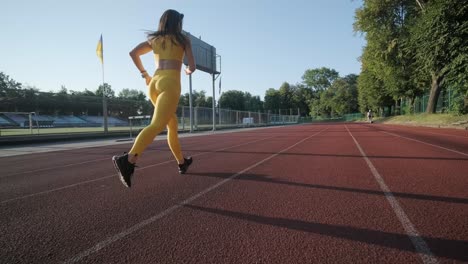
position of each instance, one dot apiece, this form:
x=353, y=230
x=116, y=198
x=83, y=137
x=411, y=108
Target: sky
x=49, y=43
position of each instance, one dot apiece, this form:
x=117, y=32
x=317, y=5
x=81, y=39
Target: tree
x=272, y=100
x=232, y=99
x=412, y=45
x=351, y=93
x=286, y=92
x=209, y=102
x=371, y=95
x=9, y=92
x=199, y=99
x=242, y=101
x=63, y=90
x=130, y=102
x=7, y=83
x=441, y=38
x=388, y=53
x=253, y=103
x=302, y=97
x=109, y=93
x=341, y=98
x=319, y=79
x=132, y=94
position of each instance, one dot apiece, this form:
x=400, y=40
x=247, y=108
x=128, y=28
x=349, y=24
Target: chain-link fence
x=13, y=124
x=223, y=118
x=346, y=117
x=449, y=101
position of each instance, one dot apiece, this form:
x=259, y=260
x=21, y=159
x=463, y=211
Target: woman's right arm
x=190, y=59
x=139, y=50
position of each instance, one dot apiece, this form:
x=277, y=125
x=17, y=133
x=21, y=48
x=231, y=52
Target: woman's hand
x=148, y=79
x=188, y=71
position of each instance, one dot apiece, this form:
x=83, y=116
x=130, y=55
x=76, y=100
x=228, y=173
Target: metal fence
x=224, y=118
x=346, y=117
x=202, y=120
x=449, y=101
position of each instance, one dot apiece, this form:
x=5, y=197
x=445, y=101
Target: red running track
x=326, y=193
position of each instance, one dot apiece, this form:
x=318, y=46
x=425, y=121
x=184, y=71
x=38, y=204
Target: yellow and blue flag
x=99, y=50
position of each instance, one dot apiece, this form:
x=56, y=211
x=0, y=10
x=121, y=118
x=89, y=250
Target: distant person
x=168, y=44
x=369, y=116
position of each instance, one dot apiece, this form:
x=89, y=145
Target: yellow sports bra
x=170, y=52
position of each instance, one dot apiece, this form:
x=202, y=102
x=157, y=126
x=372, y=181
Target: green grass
x=70, y=130
x=443, y=120
x=64, y=130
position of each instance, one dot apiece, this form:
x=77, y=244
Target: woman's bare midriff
x=169, y=65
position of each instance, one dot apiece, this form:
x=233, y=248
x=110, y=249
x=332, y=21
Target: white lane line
x=113, y=175
x=96, y=160
x=160, y=215
x=433, y=145
x=398, y=128
x=71, y=164
x=53, y=168
x=421, y=246
x=46, y=148
x=442, y=134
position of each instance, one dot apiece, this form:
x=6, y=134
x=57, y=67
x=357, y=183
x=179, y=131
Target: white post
x=30, y=123
x=214, y=103
x=219, y=109
x=130, y=123
x=190, y=103
x=196, y=118
x=183, y=118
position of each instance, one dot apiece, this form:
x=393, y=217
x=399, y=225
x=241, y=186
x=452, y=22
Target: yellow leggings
x=164, y=91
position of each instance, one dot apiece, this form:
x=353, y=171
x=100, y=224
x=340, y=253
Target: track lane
x=53, y=178
x=97, y=210
x=454, y=139
x=312, y=203
x=433, y=183
x=316, y=202
x=44, y=161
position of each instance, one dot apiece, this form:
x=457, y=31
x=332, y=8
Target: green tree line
x=16, y=98
x=322, y=90
x=414, y=47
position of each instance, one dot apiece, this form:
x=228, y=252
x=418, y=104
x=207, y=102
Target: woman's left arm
x=191, y=60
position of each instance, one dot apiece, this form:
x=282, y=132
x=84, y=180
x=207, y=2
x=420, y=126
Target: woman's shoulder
x=186, y=38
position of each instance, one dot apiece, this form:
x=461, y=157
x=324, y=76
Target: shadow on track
x=266, y=179
x=452, y=249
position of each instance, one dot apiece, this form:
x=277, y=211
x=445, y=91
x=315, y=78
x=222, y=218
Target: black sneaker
x=124, y=168
x=183, y=167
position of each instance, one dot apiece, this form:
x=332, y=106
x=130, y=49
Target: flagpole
x=104, y=101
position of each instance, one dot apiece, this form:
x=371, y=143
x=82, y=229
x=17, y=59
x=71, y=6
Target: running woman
x=169, y=45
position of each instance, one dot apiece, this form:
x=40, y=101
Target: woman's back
x=165, y=48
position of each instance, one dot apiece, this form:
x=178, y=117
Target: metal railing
x=202, y=120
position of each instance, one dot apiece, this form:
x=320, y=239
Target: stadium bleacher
x=6, y=123
x=18, y=119
x=22, y=120
x=111, y=121
x=70, y=121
